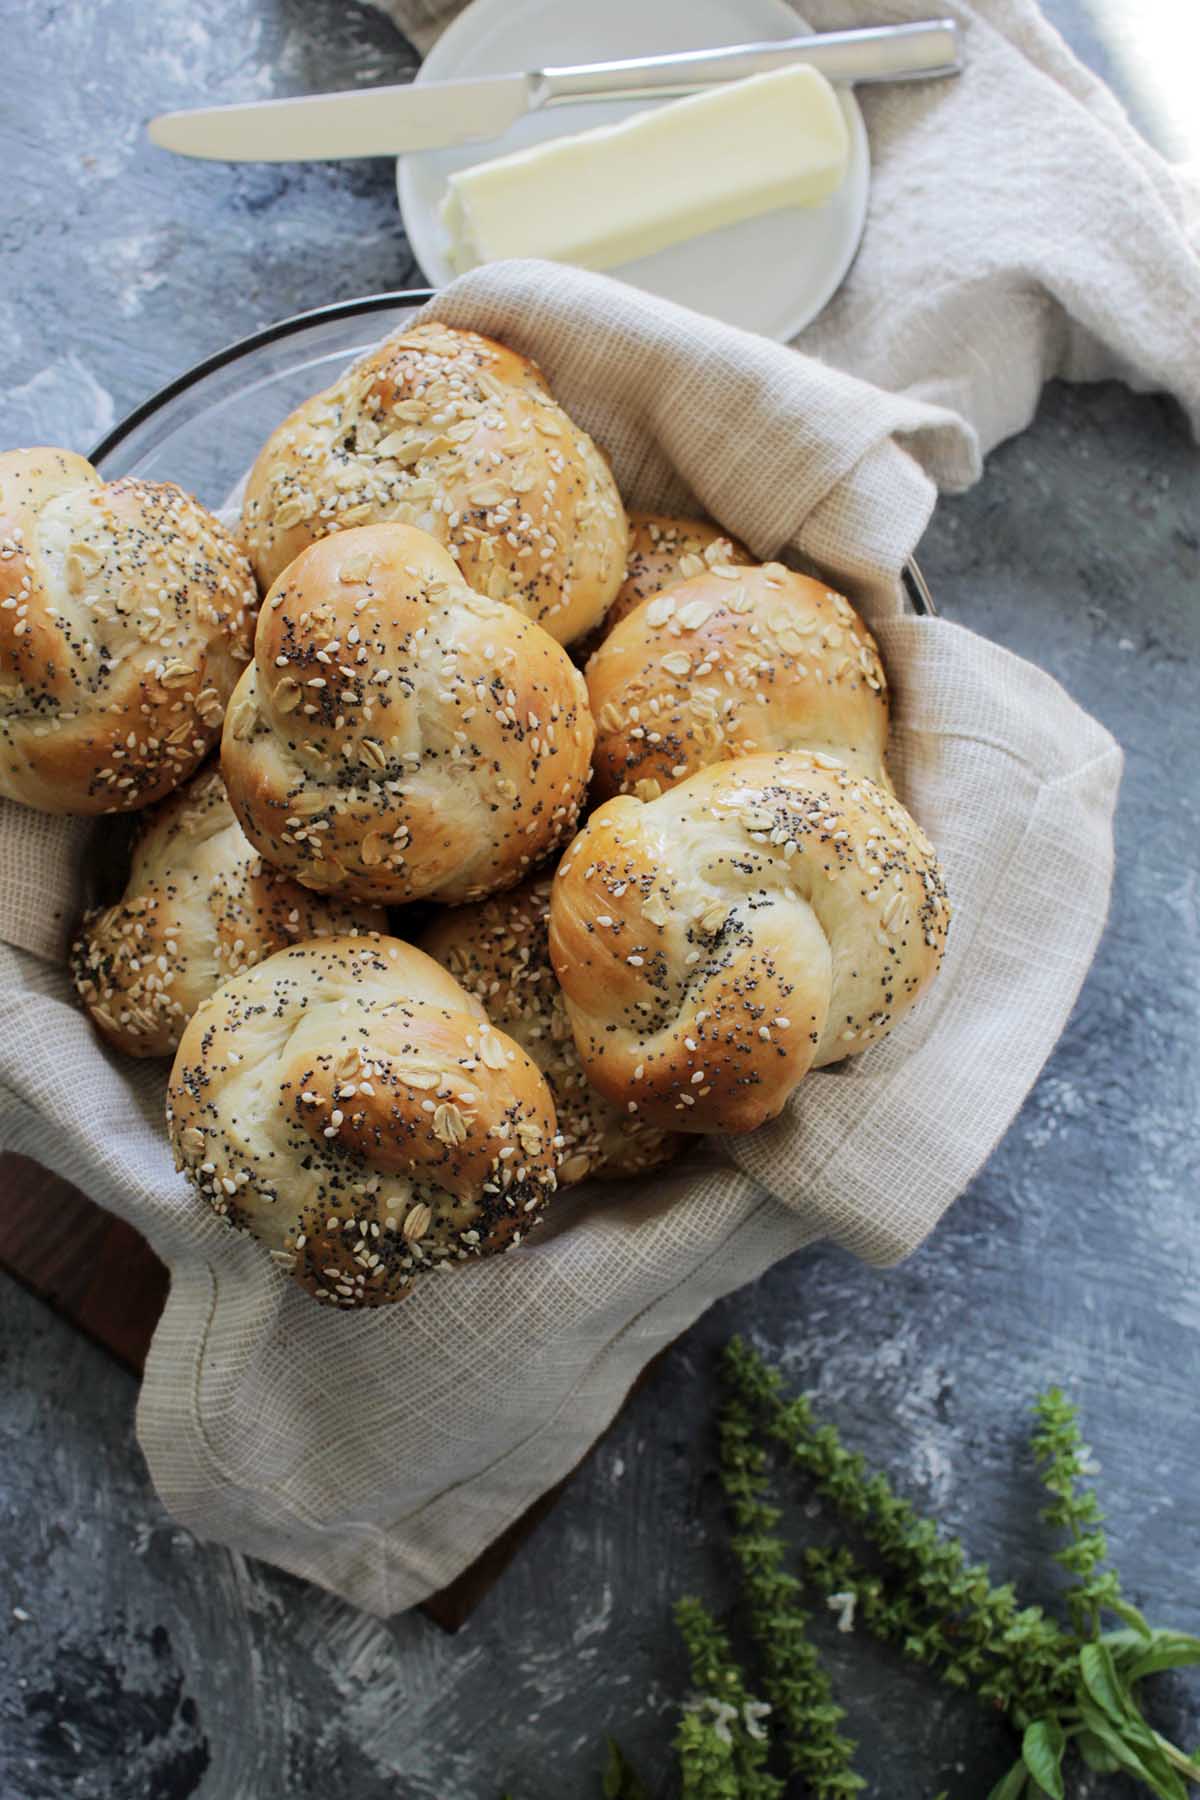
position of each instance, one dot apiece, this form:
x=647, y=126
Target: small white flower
x=722, y=1713
x=843, y=1605
x=753, y=1713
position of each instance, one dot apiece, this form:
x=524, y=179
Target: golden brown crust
x=767, y=916
x=664, y=550
x=398, y=735
x=347, y=1103
x=731, y=663
x=199, y=907
x=500, y=952
x=126, y=615
x=457, y=435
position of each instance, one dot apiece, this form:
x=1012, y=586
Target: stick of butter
x=605, y=197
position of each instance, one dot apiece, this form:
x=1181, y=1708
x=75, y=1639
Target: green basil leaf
x=1096, y=1754
x=1042, y=1750
x=1168, y=1650
x=1151, y=1769
x=611, y=1786
x=1106, y=1687
x=1102, y=1681
x=1014, y=1784
x=1101, y=1727
x=1131, y=1616
x=620, y=1782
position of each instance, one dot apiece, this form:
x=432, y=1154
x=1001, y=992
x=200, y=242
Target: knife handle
x=875, y=53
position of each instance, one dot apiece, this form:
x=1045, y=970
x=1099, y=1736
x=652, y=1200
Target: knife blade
x=384, y=121
x=434, y=115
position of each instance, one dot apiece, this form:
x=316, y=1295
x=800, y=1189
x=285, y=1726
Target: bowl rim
x=257, y=340
x=915, y=585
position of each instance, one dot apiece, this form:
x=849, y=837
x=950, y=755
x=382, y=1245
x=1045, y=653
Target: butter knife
x=433, y=115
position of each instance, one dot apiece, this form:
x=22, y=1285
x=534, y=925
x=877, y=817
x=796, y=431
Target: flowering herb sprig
x=721, y=1742
x=1061, y=1684
x=803, y=1708
x=948, y=1612
x=1074, y=1509
x=1068, y=1686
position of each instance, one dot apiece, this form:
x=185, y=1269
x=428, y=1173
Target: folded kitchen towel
x=379, y=1453
x=1019, y=228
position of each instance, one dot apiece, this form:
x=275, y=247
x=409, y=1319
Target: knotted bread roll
x=728, y=663
x=500, y=952
x=663, y=550
x=347, y=1103
x=767, y=916
x=398, y=735
x=455, y=434
x=126, y=615
x=200, y=906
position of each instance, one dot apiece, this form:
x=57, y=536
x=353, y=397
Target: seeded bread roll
x=126, y=615
x=500, y=952
x=398, y=735
x=461, y=437
x=347, y=1103
x=200, y=906
x=664, y=550
x=768, y=916
x=731, y=662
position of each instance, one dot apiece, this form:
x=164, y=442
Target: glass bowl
x=204, y=429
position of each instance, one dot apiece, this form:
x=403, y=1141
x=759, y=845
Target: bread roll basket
x=379, y=1455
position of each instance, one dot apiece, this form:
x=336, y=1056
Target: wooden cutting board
x=97, y=1272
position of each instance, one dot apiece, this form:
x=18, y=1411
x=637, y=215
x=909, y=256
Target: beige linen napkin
x=1019, y=228
x=378, y=1454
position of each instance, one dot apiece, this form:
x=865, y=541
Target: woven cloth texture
x=379, y=1454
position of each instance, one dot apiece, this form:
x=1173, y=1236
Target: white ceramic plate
x=771, y=275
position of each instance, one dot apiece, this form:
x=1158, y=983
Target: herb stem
x=796, y=1683
x=722, y=1745
x=1014, y=1656
x=1059, y=1448
x=1178, y=1759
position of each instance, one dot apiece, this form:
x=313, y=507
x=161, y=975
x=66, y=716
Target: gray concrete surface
x=138, y=1664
